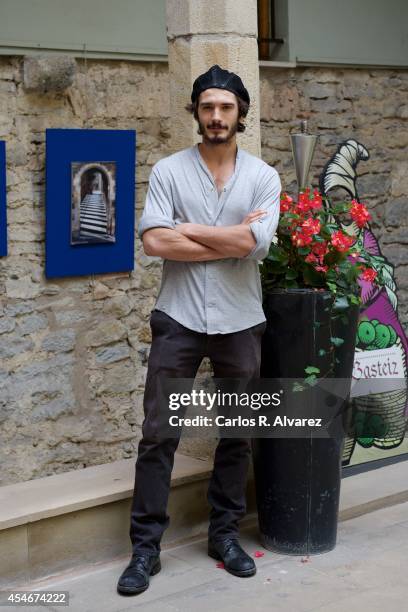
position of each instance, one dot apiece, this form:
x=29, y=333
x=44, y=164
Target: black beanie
x=222, y=79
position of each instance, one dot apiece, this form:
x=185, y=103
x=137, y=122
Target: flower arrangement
x=312, y=248
x=317, y=246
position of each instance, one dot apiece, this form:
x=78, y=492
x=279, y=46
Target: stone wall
x=368, y=105
x=73, y=351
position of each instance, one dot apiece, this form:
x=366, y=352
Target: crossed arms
x=250, y=239
x=196, y=242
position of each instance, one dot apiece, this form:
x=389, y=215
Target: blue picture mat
x=3, y=200
x=64, y=146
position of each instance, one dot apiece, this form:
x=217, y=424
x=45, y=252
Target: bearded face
x=217, y=116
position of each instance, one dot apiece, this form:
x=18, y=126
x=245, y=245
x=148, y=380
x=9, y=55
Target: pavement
x=366, y=571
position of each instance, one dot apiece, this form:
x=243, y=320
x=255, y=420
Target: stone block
x=22, y=288
x=44, y=73
x=399, y=181
x=14, y=559
x=32, y=323
x=113, y=353
x=13, y=345
x=6, y=325
x=120, y=378
x=187, y=17
x=119, y=306
x=105, y=332
x=320, y=90
x=59, y=341
x=396, y=212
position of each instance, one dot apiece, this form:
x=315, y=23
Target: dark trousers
x=177, y=352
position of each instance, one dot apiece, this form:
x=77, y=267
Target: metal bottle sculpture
x=303, y=147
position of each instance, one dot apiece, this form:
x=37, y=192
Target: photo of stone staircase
x=93, y=219
x=93, y=186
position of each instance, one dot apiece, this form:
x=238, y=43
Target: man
x=211, y=212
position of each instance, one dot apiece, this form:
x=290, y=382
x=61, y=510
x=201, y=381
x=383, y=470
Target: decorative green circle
x=393, y=335
x=378, y=427
x=366, y=332
x=365, y=442
x=382, y=336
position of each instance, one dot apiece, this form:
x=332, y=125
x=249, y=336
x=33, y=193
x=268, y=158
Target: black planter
x=297, y=480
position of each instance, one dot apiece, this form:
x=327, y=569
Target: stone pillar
x=200, y=34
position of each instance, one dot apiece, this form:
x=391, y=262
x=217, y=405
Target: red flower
x=287, y=197
x=286, y=202
x=359, y=213
x=311, y=226
x=341, y=241
x=303, y=206
x=369, y=275
x=299, y=239
x=316, y=201
x=321, y=268
x=320, y=248
x=311, y=258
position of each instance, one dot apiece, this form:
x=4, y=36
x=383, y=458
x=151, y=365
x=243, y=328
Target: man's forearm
x=170, y=244
x=232, y=241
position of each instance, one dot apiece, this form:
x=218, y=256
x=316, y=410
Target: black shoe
x=236, y=561
x=135, y=578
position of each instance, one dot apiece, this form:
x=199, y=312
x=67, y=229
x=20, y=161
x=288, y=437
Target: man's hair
x=243, y=108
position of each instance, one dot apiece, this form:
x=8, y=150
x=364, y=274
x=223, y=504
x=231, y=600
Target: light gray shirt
x=219, y=296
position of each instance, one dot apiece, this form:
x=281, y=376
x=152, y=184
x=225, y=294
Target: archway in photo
x=93, y=202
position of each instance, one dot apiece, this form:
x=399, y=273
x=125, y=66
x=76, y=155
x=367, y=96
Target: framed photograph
x=90, y=201
x=3, y=200
x=93, y=202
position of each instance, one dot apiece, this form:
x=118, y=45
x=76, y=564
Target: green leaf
x=312, y=370
x=291, y=284
x=321, y=352
x=291, y=274
x=311, y=277
x=311, y=380
x=340, y=207
x=354, y=299
x=303, y=250
x=275, y=254
x=336, y=341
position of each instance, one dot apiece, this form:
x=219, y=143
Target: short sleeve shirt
x=219, y=296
